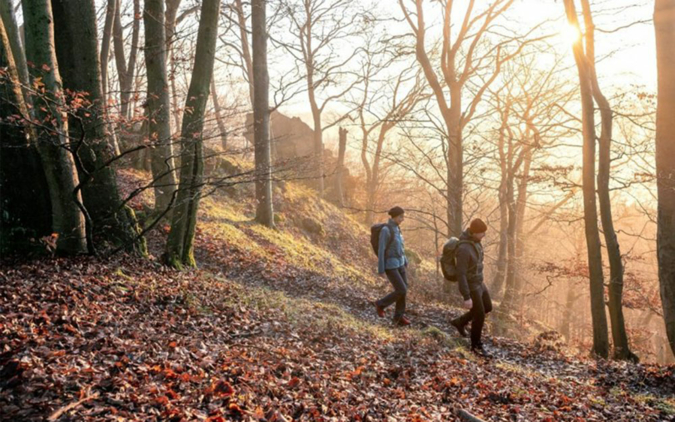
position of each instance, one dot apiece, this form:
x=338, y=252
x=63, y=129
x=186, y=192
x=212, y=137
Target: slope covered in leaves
x=275, y=326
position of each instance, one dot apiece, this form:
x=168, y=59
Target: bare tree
x=159, y=105
x=125, y=70
x=384, y=103
x=619, y=336
x=180, y=244
x=318, y=26
x=600, y=334
x=111, y=8
x=261, y=115
x=453, y=78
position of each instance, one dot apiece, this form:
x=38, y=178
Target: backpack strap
x=391, y=236
x=475, y=247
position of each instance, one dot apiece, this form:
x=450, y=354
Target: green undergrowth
x=227, y=222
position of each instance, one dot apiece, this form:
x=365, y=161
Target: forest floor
x=275, y=325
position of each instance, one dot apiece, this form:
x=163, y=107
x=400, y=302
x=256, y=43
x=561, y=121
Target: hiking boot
x=403, y=322
x=460, y=328
x=480, y=352
x=378, y=309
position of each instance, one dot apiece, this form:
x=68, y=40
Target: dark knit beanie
x=396, y=211
x=478, y=226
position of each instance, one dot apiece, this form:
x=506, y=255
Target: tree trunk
x=219, y=117
x=521, y=209
x=500, y=273
x=245, y=49
x=77, y=53
x=125, y=70
x=111, y=9
x=455, y=161
x=664, y=24
x=180, y=244
x=566, y=323
x=619, y=336
x=508, y=305
x=318, y=145
x=261, y=115
x=14, y=37
x=339, y=172
x=118, y=41
x=52, y=137
x=600, y=335
x=172, y=7
x=159, y=105
x=24, y=198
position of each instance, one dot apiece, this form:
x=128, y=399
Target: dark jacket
x=391, y=255
x=469, y=258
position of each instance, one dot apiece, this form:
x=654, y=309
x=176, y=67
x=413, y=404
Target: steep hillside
x=275, y=326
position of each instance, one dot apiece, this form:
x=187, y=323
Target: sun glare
x=570, y=34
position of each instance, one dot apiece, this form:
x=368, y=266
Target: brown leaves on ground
x=130, y=340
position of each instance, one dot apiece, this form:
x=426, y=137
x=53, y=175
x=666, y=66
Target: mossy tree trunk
x=180, y=245
x=77, y=53
x=52, y=135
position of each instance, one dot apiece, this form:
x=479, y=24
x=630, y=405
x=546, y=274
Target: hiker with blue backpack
x=462, y=261
x=387, y=242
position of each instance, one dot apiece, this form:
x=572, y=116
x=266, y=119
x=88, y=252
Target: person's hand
x=468, y=304
x=383, y=275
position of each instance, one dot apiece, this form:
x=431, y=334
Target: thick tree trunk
x=180, y=244
x=261, y=115
x=339, y=172
x=159, y=105
x=24, y=199
x=664, y=24
x=600, y=334
x=52, y=137
x=77, y=53
x=222, y=129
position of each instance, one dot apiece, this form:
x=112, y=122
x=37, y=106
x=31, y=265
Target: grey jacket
x=469, y=258
x=391, y=256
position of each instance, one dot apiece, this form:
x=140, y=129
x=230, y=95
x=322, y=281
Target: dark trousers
x=482, y=304
x=399, y=280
